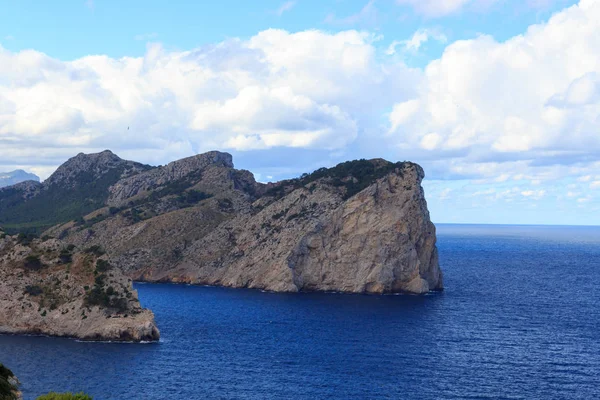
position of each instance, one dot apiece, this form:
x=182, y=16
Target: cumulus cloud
x=516, y=114
x=533, y=100
x=415, y=42
x=310, y=90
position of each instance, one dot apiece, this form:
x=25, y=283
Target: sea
x=519, y=319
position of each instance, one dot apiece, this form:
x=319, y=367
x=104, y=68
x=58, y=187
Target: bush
x=33, y=262
x=95, y=250
x=65, y=396
x=8, y=389
x=33, y=290
x=25, y=239
x=65, y=256
x=102, y=266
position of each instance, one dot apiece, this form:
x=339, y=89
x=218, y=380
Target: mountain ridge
x=15, y=177
x=363, y=224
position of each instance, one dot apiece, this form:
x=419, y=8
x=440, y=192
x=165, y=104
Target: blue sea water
x=519, y=320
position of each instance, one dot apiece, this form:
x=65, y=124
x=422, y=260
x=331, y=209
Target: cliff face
x=361, y=227
x=52, y=289
x=378, y=241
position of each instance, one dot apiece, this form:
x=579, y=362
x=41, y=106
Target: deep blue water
x=519, y=320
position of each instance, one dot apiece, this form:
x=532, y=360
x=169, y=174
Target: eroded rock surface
x=50, y=288
x=361, y=227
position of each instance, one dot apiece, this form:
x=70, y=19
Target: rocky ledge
x=50, y=288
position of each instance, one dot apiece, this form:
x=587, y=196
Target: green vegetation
x=33, y=262
x=64, y=396
x=25, y=239
x=56, y=204
x=33, y=290
x=105, y=297
x=353, y=176
x=95, y=250
x=8, y=388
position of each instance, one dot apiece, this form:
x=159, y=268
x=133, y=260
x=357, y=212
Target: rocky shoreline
x=50, y=288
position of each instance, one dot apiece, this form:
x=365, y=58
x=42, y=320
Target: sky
x=498, y=100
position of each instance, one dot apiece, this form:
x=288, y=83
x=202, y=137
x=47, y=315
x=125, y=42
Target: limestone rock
x=49, y=288
x=361, y=227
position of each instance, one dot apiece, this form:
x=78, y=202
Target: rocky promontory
x=51, y=288
x=359, y=227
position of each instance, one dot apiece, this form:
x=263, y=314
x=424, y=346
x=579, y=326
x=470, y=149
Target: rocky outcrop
x=49, y=288
x=93, y=166
x=187, y=170
x=361, y=227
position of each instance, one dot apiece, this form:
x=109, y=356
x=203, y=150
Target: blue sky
x=498, y=100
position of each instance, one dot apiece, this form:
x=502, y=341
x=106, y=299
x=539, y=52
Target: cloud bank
x=516, y=114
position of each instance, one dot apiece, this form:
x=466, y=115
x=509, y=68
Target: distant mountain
x=17, y=176
x=361, y=226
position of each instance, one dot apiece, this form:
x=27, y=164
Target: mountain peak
x=16, y=176
x=91, y=167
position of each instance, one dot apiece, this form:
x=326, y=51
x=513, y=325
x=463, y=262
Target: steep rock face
x=362, y=226
x=380, y=240
x=164, y=210
x=50, y=288
x=140, y=186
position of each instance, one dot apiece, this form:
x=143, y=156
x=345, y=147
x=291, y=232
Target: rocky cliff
x=50, y=288
x=360, y=227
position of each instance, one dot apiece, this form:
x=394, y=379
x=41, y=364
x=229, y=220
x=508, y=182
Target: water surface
x=519, y=320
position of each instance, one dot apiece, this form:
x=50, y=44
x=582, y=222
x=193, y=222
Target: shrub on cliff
x=65, y=396
x=8, y=388
x=33, y=262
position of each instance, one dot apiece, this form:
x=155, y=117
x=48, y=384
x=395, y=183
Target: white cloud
x=277, y=89
x=287, y=6
x=533, y=97
x=417, y=40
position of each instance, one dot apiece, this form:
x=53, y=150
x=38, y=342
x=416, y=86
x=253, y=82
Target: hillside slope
x=51, y=288
x=78, y=187
x=362, y=226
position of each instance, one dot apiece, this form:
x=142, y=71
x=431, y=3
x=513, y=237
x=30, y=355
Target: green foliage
x=25, y=238
x=95, y=250
x=33, y=262
x=56, y=204
x=102, y=266
x=105, y=297
x=65, y=256
x=65, y=396
x=33, y=290
x=191, y=197
x=353, y=176
x=8, y=391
